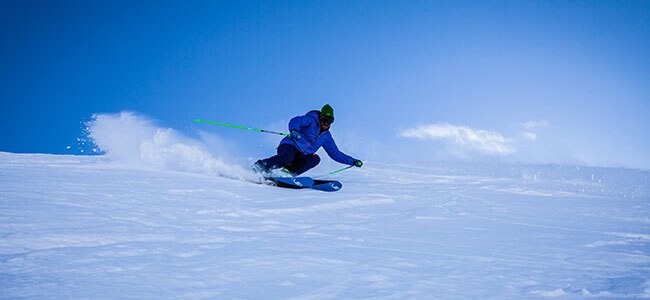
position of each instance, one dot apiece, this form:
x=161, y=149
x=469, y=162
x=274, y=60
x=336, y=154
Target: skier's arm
x=334, y=152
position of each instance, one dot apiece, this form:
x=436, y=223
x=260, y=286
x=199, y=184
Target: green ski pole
x=334, y=172
x=339, y=170
x=240, y=127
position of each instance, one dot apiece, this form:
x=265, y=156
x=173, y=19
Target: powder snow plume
x=134, y=140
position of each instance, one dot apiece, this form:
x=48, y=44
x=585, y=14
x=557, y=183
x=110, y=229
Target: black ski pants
x=291, y=159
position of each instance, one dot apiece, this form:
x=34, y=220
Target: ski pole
x=339, y=170
x=240, y=127
x=334, y=172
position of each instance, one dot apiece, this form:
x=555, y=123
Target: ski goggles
x=327, y=120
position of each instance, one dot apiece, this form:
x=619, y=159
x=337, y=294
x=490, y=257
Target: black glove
x=357, y=163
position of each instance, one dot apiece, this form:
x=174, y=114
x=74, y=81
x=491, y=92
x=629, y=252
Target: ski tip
x=327, y=185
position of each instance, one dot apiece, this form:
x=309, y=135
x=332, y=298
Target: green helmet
x=327, y=111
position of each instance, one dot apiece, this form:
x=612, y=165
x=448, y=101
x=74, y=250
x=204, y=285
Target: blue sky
x=512, y=81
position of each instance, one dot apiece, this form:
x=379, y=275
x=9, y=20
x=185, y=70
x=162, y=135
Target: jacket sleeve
x=334, y=152
x=300, y=121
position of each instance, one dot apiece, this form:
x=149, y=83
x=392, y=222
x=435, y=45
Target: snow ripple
x=327, y=206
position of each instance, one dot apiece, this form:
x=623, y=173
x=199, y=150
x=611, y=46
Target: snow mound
x=134, y=140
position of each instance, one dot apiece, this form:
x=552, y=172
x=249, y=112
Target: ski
x=291, y=182
x=327, y=185
x=305, y=182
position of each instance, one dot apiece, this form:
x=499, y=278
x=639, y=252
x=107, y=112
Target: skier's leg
x=303, y=163
x=285, y=156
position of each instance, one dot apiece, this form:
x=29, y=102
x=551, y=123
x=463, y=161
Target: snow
x=94, y=227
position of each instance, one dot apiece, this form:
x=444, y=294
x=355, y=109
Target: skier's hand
x=295, y=135
x=357, y=163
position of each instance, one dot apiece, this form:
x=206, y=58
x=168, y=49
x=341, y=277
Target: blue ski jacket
x=312, y=139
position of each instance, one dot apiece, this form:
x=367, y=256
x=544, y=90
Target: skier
x=297, y=152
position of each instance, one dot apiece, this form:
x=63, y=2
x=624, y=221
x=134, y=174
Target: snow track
x=83, y=227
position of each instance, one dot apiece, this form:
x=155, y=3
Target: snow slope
x=86, y=227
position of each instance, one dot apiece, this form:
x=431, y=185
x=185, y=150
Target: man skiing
x=297, y=152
